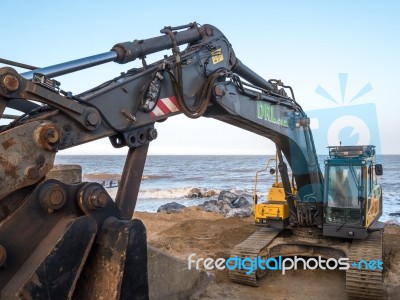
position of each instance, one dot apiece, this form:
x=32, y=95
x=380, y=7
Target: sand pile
x=210, y=234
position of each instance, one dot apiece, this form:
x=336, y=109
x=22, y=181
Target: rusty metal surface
x=22, y=162
x=32, y=223
x=52, y=270
x=38, y=224
x=47, y=136
x=117, y=265
x=10, y=83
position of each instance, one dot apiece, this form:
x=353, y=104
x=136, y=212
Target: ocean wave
x=173, y=193
x=114, y=176
x=149, y=177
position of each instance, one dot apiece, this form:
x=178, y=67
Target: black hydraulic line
x=280, y=83
x=204, y=98
x=282, y=167
x=243, y=71
x=17, y=64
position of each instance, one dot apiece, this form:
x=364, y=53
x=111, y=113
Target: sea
x=185, y=178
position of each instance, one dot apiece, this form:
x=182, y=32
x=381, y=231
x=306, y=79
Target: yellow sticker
x=217, y=56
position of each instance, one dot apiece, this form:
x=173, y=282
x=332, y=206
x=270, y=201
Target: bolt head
x=53, y=197
x=31, y=172
x=56, y=198
x=101, y=199
x=10, y=83
x=152, y=134
x=51, y=136
x=92, y=119
x=47, y=136
x=92, y=196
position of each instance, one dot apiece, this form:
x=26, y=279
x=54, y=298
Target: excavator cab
x=352, y=197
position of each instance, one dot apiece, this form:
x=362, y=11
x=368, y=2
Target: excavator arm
x=65, y=239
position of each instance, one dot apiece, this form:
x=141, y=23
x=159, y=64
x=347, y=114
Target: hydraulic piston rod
x=121, y=53
x=72, y=66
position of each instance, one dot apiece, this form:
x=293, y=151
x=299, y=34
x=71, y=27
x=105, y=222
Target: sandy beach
x=209, y=234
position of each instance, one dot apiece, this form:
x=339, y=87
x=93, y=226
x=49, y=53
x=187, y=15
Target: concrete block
x=69, y=174
x=170, y=278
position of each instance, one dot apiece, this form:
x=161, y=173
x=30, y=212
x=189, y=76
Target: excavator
x=60, y=240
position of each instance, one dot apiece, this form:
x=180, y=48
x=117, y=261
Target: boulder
x=195, y=193
x=227, y=195
x=239, y=213
x=225, y=209
x=241, y=202
x=221, y=203
x=213, y=202
x=211, y=208
x=171, y=207
x=201, y=193
x=209, y=193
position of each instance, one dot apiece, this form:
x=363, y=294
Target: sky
x=340, y=57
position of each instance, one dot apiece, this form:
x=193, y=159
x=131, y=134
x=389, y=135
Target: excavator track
x=251, y=248
x=365, y=283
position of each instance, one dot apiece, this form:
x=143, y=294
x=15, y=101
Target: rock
x=213, y=202
x=392, y=223
x=221, y=203
x=171, y=207
x=241, y=202
x=239, y=213
x=225, y=209
x=227, y=195
x=211, y=208
x=195, y=193
x=201, y=193
x=209, y=193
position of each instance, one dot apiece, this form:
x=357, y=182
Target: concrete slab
x=170, y=278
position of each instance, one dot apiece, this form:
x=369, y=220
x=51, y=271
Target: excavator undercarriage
x=265, y=243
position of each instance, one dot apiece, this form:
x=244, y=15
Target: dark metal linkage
x=130, y=181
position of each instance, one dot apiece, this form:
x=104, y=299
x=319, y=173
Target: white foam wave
x=174, y=193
